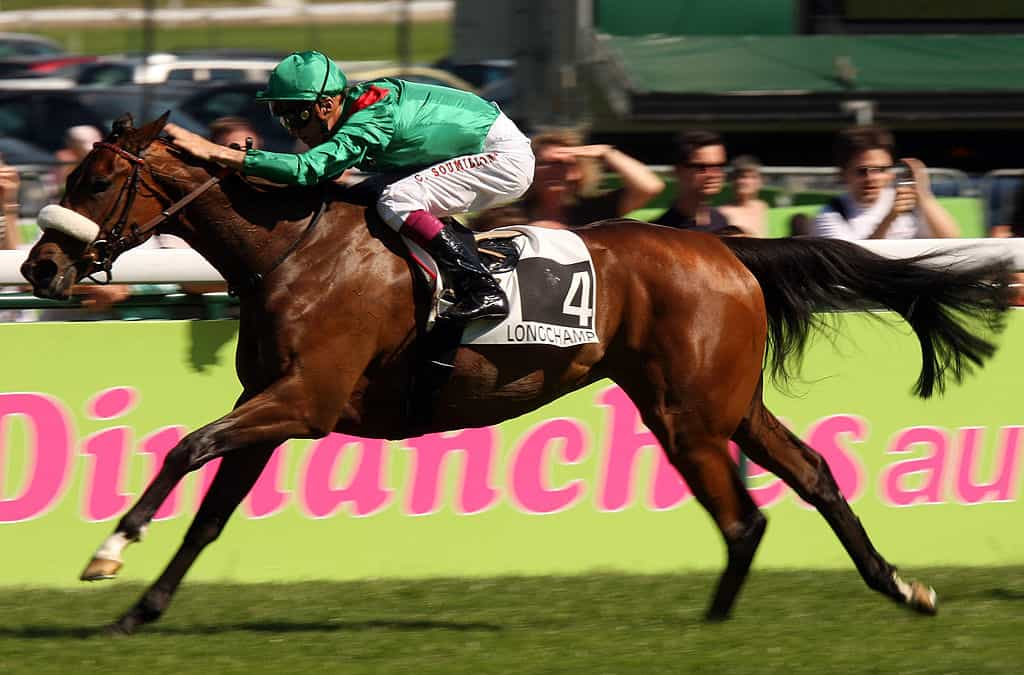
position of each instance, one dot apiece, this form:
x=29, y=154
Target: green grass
x=786, y=622
x=430, y=40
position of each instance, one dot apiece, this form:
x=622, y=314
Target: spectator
x=233, y=131
x=747, y=212
x=700, y=170
x=78, y=141
x=105, y=302
x=1012, y=225
x=799, y=225
x=229, y=131
x=1011, y=216
x=10, y=182
x=871, y=208
x=564, y=190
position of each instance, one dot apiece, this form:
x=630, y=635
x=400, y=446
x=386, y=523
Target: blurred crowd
x=881, y=196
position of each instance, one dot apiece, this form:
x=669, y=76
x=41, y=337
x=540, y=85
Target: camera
x=903, y=176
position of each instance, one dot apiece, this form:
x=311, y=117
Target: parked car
x=14, y=45
x=239, y=100
x=424, y=74
x=169, y=68
x=480, y=74
x=41, y=117
x=32, y=56
x=15, y=151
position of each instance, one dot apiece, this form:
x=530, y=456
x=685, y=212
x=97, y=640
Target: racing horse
x=330, y=317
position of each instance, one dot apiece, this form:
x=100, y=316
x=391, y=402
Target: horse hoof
x=923, y=598
x=716, y=616
x=100, y=568
x=916, y=595
x=116, y=630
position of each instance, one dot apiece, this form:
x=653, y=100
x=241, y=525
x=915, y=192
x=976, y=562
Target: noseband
x=101, y=252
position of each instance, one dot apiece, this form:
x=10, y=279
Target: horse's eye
x=99, y=185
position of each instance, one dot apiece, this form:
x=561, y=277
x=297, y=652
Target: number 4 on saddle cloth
x=549, y=279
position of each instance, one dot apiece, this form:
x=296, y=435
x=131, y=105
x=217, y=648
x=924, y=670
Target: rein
x=255, y=279
x=102, y=252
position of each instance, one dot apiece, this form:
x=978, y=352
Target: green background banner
x=87, y=409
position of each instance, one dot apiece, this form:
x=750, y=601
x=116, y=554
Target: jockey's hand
x=193, y=144
x=204, y=149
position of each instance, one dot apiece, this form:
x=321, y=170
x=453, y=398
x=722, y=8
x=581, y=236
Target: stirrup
x=493, y=306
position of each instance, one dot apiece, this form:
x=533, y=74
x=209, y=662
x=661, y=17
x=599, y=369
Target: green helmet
x=303, y=76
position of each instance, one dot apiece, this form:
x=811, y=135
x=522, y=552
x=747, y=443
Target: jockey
x=465, y=155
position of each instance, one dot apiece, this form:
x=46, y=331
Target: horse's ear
x=140, y=138
x=122, y=125
x=151, y=131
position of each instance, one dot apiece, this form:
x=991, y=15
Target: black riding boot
x=478, y=295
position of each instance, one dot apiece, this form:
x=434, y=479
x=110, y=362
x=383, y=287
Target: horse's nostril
x=43, y=272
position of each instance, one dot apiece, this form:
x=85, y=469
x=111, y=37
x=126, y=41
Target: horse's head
x=107, y=196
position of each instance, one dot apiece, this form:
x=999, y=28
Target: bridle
x=101, y=252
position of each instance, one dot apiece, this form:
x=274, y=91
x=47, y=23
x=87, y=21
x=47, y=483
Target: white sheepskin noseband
x=71, y=223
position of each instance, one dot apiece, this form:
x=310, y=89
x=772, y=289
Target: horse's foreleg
x=267, y=419
x=764, y=439
x=235, y=477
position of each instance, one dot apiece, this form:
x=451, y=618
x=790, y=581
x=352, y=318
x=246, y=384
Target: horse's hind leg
x=235, y=477
x=702, y=458
x=714, y=480
x=764, y=439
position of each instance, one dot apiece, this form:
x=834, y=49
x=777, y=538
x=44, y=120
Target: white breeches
x=501, y=173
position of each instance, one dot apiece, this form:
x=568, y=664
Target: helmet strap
x=324, y=130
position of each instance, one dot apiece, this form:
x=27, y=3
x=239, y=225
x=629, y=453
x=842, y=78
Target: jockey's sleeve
x=367, y=132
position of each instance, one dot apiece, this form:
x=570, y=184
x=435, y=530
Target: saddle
x=437, y=341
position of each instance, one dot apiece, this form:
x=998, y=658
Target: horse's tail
x=942, y=301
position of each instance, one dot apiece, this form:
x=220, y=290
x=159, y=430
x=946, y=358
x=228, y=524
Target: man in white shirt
x=874, y=208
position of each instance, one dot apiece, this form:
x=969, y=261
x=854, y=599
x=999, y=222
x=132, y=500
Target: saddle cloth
x=551, y=288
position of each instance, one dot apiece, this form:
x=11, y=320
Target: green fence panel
x=780, y=218
x=969, y=213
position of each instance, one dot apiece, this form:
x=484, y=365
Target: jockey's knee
x=390, y=212
x=523, y=180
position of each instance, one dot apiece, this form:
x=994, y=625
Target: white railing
x=163, y=266
x=144, y=266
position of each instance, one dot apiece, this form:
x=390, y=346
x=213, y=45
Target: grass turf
x=429, y=40
x=786, y=622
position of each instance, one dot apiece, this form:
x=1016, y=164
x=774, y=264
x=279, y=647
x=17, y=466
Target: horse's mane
x=212, y=168
x=239, y=188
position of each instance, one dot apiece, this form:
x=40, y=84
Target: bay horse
x=330, y=317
